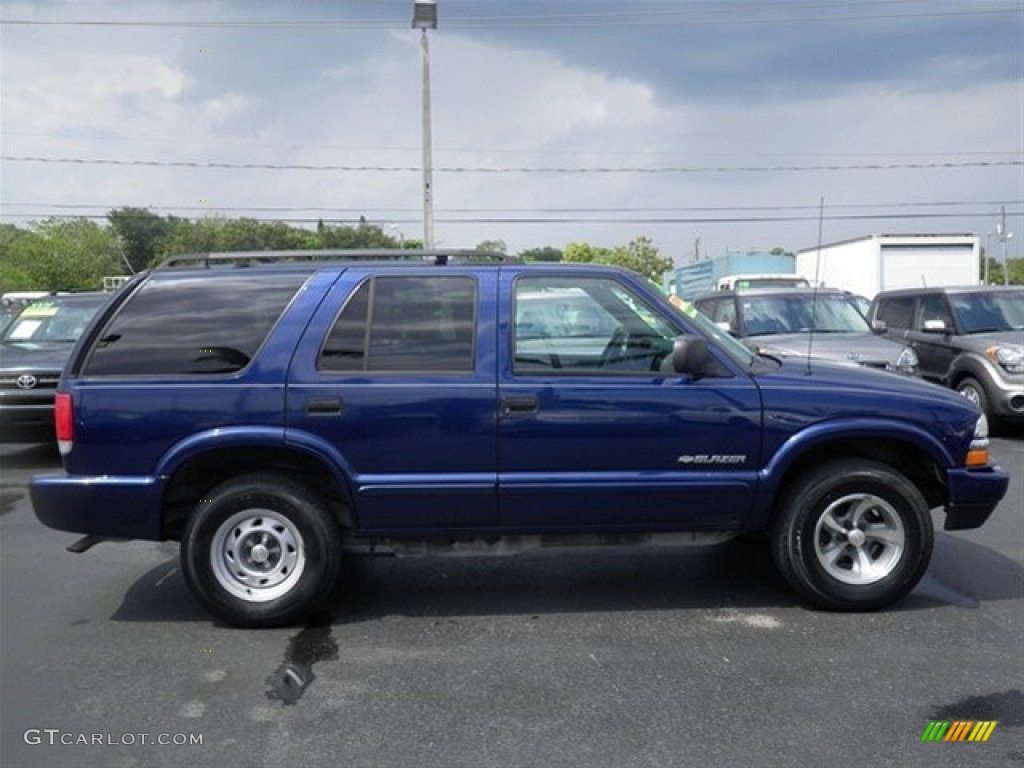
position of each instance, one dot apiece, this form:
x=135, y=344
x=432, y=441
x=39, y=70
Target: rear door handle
x=323, y=406
x=520, y=404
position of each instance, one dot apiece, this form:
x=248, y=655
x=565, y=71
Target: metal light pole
x=988, y=255
x=424, y=17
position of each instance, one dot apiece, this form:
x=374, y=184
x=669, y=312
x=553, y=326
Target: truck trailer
x=867, y=265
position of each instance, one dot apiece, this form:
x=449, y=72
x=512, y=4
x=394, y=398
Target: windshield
x=985, y=312
x=53, y=320
x=735, y=349
x=789, y=313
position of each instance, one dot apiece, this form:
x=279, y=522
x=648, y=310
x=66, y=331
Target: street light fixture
x=424, y=17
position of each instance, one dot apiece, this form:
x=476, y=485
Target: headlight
x=1011, y=358
x=907, y=361
x=977, y=454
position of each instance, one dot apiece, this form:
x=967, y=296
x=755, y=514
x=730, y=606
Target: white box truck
x=875, y=263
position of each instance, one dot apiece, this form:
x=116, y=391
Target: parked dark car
x=33, y=349
x=272, y=417
x=970, y=339
x=779, y=322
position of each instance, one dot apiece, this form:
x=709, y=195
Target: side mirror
x=689, y=355
x=935, y=326
x=879, y=326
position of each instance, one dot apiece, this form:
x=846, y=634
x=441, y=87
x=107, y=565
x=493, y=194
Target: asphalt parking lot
x=587, y=658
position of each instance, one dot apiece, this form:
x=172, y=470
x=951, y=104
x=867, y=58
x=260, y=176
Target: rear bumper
x=973, y=495
x=117, y=507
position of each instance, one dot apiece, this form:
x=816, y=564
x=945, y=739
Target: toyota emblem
x=27, y=381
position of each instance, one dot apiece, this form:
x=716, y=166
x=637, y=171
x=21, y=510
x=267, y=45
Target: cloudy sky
x=553, y=122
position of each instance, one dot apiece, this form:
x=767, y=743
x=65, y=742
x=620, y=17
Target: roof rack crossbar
x=247, y=258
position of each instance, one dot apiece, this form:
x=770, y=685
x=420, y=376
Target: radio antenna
x=814, y=293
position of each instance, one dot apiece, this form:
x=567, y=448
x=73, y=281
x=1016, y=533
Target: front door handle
x=520, y=404
x=323, y=406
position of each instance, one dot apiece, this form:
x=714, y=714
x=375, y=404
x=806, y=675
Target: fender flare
x=241, y=437
x=826, y=432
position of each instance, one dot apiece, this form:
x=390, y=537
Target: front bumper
x=973, y=495
x=27, y=423
x=115, y=507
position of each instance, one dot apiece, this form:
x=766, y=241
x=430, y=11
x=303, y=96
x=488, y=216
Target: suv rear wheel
x=261, y=550
x=852, y=535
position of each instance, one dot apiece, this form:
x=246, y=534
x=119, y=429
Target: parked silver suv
x=779, y=321
x=970, y=339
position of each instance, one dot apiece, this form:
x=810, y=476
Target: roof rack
x=252, y=258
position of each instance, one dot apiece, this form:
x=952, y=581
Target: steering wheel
x=614, y=350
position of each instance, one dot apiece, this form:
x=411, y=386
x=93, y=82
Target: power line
x=464, y=149
x=528, y=220
x=523, y=170
x=684, y=17
x=535, y=210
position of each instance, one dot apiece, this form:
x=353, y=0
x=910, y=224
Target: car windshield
x=735, y=349
x=800, y=313
x=989, y=311
x=53, y=320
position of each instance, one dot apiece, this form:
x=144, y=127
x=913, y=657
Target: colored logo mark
x=958, y=730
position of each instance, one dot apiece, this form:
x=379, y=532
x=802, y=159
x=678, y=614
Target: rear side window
x=192, y=325
x=410, y=324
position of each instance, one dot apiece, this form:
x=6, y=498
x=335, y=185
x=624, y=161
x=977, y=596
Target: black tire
x=973, y=390
x=852, y=535
x=261, y=550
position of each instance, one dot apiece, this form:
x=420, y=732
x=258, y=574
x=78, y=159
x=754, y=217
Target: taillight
x=63, y=419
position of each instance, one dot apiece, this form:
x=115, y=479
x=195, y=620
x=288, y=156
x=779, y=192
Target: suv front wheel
x=972, y=389
x=261, y=550
x=852, y=535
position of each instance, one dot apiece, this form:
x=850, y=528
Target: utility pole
x=424, y=18
x=1004, y=235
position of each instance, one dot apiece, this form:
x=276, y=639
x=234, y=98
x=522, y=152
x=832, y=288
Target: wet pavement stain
x=313, y=644
x=1007, y=708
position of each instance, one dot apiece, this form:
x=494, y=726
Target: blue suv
x=273, y=411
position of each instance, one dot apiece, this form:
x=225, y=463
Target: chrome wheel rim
x=257, y=555
x=971, y=394
x=859, y=539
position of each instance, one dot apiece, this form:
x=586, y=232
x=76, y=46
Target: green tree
x=141, y=234
x=1015, y=270
x=59, y=255
x=585, y=253
x=15, y=244
x=640, y=255
x=361, y=236
x=198, y=236
x=492, y=246
x=546, y=253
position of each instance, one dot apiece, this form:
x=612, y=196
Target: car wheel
x=261, y=550
x=852, y=535
x=971, y=389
